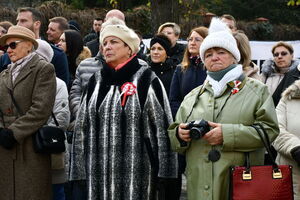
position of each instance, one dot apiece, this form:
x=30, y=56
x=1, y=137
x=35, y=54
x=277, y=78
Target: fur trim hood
x=251, y=70
x=293, y=91
x=268, y=67
x=85, y=53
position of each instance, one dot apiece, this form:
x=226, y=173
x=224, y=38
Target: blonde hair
x=173, y=25
x=244, y=48
x=203, y=32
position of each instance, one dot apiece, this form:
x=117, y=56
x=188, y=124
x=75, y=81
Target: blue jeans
x=58, y=191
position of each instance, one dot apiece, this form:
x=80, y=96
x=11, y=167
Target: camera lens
x=195, y=133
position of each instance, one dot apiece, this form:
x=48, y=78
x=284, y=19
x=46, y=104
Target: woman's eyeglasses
x=283, y=53
x=12, y=45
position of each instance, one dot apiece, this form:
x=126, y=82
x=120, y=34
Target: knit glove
x=7, y=139
x=296, y=154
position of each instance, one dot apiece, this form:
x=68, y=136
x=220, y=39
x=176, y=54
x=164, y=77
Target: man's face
x=54, y=32
x=169, y=32
x=230, y=23
x=97, y=25
x=25, y=19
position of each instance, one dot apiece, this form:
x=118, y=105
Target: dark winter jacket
x=93, y=45
x=176, y=54
x=185, y=81
x=165, y=72
x=289, y=78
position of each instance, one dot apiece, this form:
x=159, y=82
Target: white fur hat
x=219, y=35
x=44, y=50
x=126, y=34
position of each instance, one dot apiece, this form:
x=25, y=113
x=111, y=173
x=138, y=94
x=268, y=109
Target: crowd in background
x=127, y=109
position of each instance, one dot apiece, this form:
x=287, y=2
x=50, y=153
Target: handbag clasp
x=277, y=174
x=247, y=175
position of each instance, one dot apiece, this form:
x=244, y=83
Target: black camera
x=198, y=129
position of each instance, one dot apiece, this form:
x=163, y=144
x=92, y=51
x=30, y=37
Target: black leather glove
x=296, y=154
x=7, y=139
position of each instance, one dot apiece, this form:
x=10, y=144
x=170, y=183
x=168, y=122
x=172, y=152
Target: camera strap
x=196, y=99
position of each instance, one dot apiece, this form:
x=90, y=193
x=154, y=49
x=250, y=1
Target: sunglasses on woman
x=12, y=45
x=283, y=53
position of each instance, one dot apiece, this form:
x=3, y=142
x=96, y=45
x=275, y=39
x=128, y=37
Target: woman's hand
x=215, y=135
x=183, y=133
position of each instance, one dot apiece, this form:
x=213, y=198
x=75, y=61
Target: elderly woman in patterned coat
x=121, y=146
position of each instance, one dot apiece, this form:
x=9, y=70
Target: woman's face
x=194, y=42
x=18, y=48
x=158, y=53
x=115, y=51
x=62, y=42
x=216, y=59
x=282, y=57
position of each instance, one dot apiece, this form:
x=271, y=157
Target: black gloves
x=7, y=139
x=296, y=154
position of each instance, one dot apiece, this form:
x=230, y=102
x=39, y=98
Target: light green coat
x=252, y=104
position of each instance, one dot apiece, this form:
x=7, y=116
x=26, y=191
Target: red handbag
x=267, y=182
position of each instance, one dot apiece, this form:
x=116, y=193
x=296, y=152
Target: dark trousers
x=170, y=188
x=76, y=190
x=58, y=192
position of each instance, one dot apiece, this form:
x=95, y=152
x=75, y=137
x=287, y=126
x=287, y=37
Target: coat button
x=206, y=187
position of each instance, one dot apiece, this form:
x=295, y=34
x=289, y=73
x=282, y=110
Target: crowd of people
x=128, y=112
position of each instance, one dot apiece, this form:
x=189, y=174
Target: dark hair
x=74, y=45
x=98, y=19
x=63, y=22
x=36, y=15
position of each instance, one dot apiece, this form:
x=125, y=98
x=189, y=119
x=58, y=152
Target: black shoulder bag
x=47, y=139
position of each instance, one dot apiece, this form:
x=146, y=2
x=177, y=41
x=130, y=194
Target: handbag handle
x=266, y=141
x=20, y=111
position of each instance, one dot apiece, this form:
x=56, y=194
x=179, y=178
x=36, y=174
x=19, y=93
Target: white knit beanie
x=219, y=35
x=126, y=34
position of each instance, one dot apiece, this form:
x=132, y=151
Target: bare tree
x=164, y=11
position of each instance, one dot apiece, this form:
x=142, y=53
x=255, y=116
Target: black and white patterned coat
x=122, y=150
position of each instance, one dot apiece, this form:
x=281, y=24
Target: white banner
x=260, y=50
